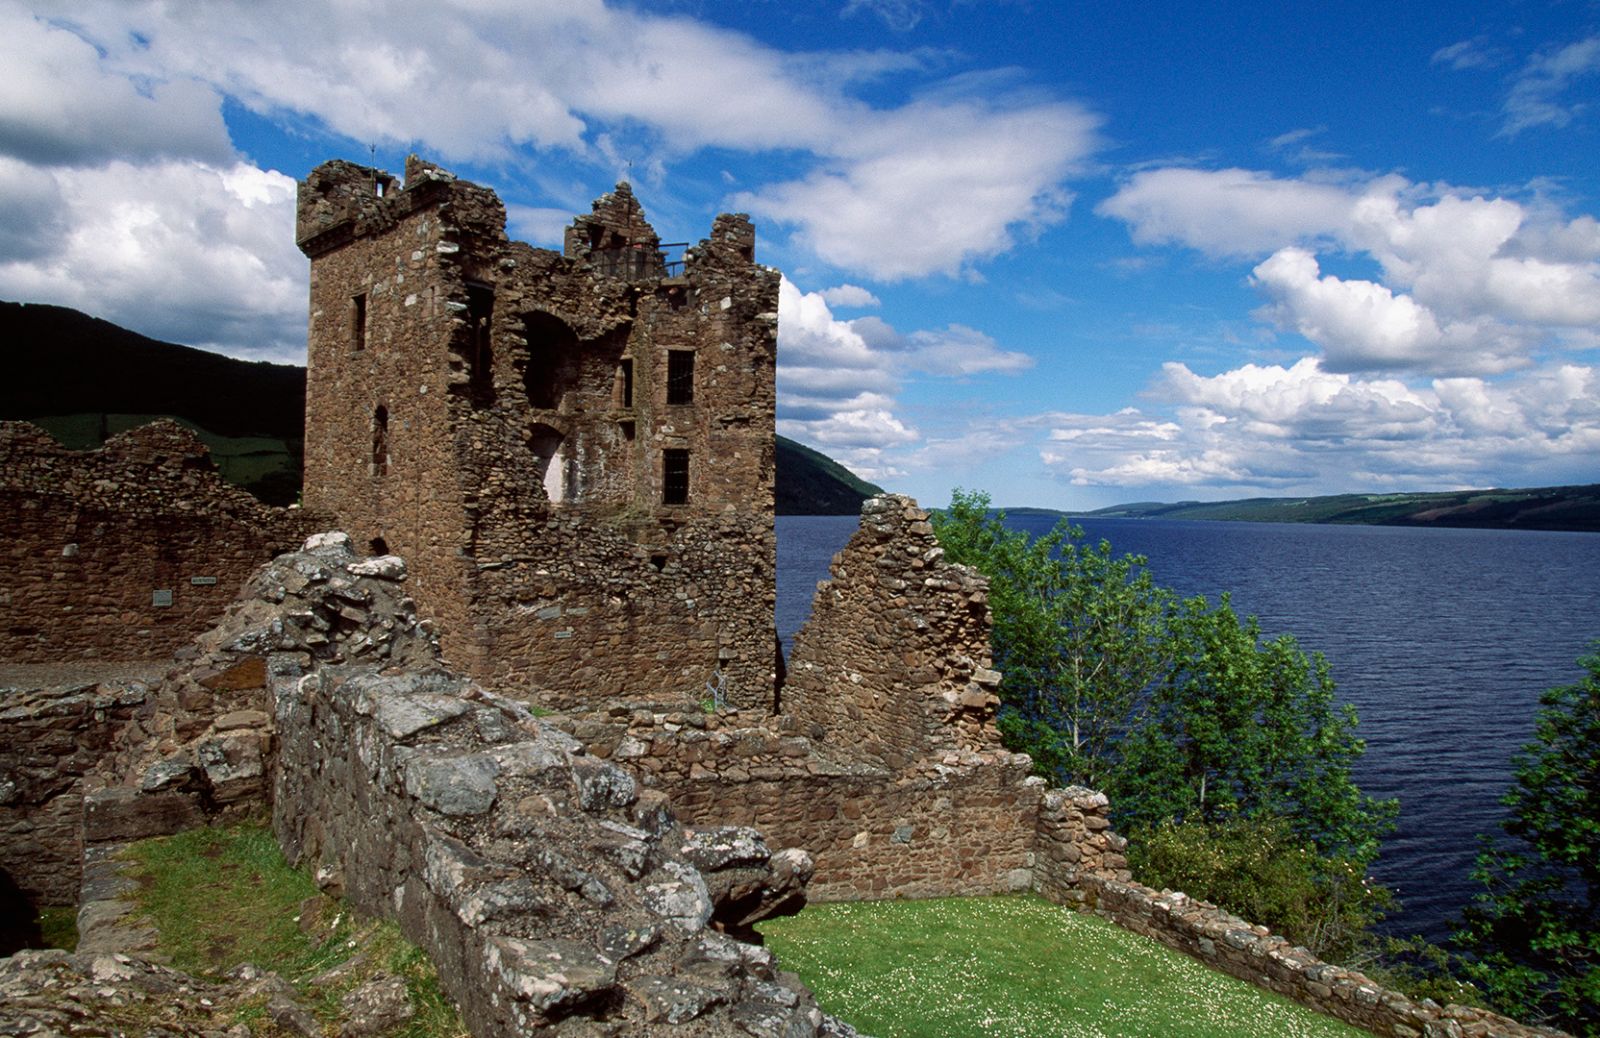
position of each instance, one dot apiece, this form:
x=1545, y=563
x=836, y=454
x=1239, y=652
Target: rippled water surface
x=1443, y=640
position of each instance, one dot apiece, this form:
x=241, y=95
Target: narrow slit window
x=358, y=321
x=674, y=477
x=625, y=382
x=680, y=376
x=380, y=441
x=480, y=354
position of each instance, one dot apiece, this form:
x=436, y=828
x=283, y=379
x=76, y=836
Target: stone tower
x=573, y=450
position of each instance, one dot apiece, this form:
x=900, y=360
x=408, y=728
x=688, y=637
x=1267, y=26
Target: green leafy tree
x=1248, y=728
x=1534, y=933
x=1081, y=636
x=1226, y=757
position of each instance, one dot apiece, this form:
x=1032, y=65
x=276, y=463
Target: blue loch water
x=1443, y=640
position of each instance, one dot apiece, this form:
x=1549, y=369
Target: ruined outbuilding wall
x=51, y=742
x=894, y=660
x=97, y=541
x=505, y=417
x=883, y=762
x=957, y=824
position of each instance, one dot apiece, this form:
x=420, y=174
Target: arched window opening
x=358, y=321
x=622, y=384
x=380, y=441
x=550, y=461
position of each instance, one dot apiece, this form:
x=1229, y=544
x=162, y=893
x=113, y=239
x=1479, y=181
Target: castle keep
x=573, y=450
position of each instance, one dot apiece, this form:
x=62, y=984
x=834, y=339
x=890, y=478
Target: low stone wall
x=959, y=823
x=1080, y=864
x=126, y=552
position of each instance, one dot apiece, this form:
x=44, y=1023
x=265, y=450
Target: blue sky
x=1072, y=254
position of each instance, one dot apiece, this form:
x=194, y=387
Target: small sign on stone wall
x=202, y=581
x=161, y=597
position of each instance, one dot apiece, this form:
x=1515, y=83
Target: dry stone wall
x=894, y=660
x=125, y=552
x=1079, y=863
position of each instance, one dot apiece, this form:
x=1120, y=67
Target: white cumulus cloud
x=1461, y=283
x=179, y=250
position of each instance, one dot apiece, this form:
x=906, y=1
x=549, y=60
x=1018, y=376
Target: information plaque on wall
x=161, y=597
x=202, y=581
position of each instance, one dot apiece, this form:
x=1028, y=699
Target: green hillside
x=1532, y=508
x=811, y=483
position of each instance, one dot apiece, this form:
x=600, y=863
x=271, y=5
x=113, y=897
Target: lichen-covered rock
x=551, y=893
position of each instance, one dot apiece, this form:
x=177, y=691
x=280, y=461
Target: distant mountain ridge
x=84, y=379
x=1532, y=508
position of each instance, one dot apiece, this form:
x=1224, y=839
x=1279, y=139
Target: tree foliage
x=1175, y=708
x=1534, y=932
x=1081, y=637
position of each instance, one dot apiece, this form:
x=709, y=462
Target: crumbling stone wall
x=894, y=660
x=959, y=823
x=550, y=890
x=126, y=552
x=510, y=419
x=883, y=760
x=51, y=742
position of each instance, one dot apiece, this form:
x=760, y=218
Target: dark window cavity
x=380, y=441
x=358, y=322
x=624, y=387
x=480, y=347
x=680, y=376
x=674, y=476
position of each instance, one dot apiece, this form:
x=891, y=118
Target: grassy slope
x=811, y=483
x=1022, y=967
x=222, y=897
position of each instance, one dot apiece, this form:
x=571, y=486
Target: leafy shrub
x=1259, y=869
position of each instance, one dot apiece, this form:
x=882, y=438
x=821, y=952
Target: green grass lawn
x=1018, y=966
x=222, y=897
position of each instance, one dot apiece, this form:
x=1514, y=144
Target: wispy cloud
x=1538, y=95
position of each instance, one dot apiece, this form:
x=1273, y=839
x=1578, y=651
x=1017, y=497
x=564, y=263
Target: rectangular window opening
x=680, y=376
x=674, y=476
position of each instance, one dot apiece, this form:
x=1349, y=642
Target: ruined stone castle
x=555, y=471
x=573, y=450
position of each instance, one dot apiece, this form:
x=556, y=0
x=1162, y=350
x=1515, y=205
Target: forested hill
x=63, y=362
x=84, y=379
x=1532, y=508
x=811, y=483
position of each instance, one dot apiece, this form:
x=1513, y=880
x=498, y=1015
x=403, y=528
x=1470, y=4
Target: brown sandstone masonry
x=96, y=540
x=509, y=419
